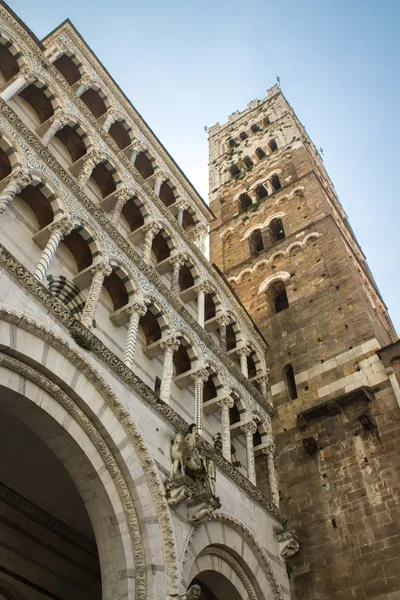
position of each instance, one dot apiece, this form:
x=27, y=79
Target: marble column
x=243, y=353
x=169, y=345
x=109, y=120
x=249, y=430
x=24, y=78
x=100, y=271
x=58, y=122
x=133, y=156
x=178, y=260
x=122, y=197
x=225, y=404
x=160, y=177
x=135, y=311
x=88, y=165
x=84, y=85
x=223, y=321
x=200, y=377
x=203, y=289
x=58, y=229
x=181, y=210
x=272, y=478
x=150, y=231
x=263, y=381
x=15, y=184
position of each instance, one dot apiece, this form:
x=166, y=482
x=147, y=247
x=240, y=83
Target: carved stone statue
x=192, y=477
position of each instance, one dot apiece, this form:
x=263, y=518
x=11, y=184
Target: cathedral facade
x=174, y=427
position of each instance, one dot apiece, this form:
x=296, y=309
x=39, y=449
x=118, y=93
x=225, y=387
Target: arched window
x=247, y=162
x=256, y=242
x=72, y=143
x=39, y=99
x=275, y=182
x=273, y=145
x=244, y=202
x=260, y=153
x=277, y=297
x=8, y=63
x=266, y=121
x=143, y=165
x=166, y=194
x=119, y=134
x=261, y=192
x=254, y=128
x=234, y=169
x=94, y=102
x=290, y=382
x=276, y=231
x=243, y=135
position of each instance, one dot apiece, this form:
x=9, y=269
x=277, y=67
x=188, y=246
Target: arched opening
x=116, y=290
x=103, y=178
x=243, y=136
x=256, y=242
x=160, y=247
x=5, y=164
x=231, y=341
x=166, y=195
x=244, y=202
x=187, y=220
x=143, y=165
x=150, y=327
x=254, y=128
x=260, y=153
x=79, y=248
x=234, y=414
x=34, y=95
x=266, y=121
x=261, y=192
x=234, y=170
x=72, y=142
x=275, y=182
x=182, y=362
x=68, y=68
x=132, y=211
x=186, y=279
x=277, y=296
x=209, y=389
x=38, y=203
x=94, y=102
x=9, y=66
x=251, y=365
x=276, y=230
x=290, y=382
x=43, y=484
x=273, y=146
x=247, y=162
x=210, y=310
x=120, y=134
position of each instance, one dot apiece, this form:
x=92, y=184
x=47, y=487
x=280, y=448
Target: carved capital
x=271, y=449
x=250, y=426
x=246, y=350
x=154, y=227
x=204, y=286
x=201, y=376
x=178, y=260
x=124, y=194
x=171, y=343
x=225, y=401
x=102, y=268
x=289, y=543
x=64, y=225
x=137, y=308
x=27, y=74
x=223, y=320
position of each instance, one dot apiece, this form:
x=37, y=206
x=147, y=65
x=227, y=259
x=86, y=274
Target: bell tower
x=283, y=241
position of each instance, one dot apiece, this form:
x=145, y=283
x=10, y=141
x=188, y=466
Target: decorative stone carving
x=289, y=543
x=193, y=593
x=192, y=477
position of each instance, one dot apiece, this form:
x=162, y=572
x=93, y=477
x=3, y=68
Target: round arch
x=128, y=461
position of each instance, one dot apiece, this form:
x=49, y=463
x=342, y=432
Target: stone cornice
x=89, y=340
x=106, y=225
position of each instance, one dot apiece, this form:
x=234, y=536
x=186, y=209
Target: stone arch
x=69, y=66
x=11, y=157
x=41, y=98
x=70, y=368
x=280, y=276
x=42, y=200
x=278, y=215
x=84, y=245
x=238, y=542
x=121, y=284
x=75, y=140
x=11, y=57
x=96, y=100
x=145, y=164
x=121, y=133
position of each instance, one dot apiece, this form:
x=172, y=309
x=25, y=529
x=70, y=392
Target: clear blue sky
x=189, y=64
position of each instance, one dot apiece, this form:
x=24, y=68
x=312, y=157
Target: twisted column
x=58, y=122
x=200, y=377
x=270, y=452
x=177, y=263
x=122, y=197
x=249, y=430
x=25, y=77
x=225, y=404
x=243, y=353
x=100, y=271
x=151, y=230
x=17, y=182
x=59, y=229
x=223, y=321
x=170, y=345
x=88, y=165
x=135, y=310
